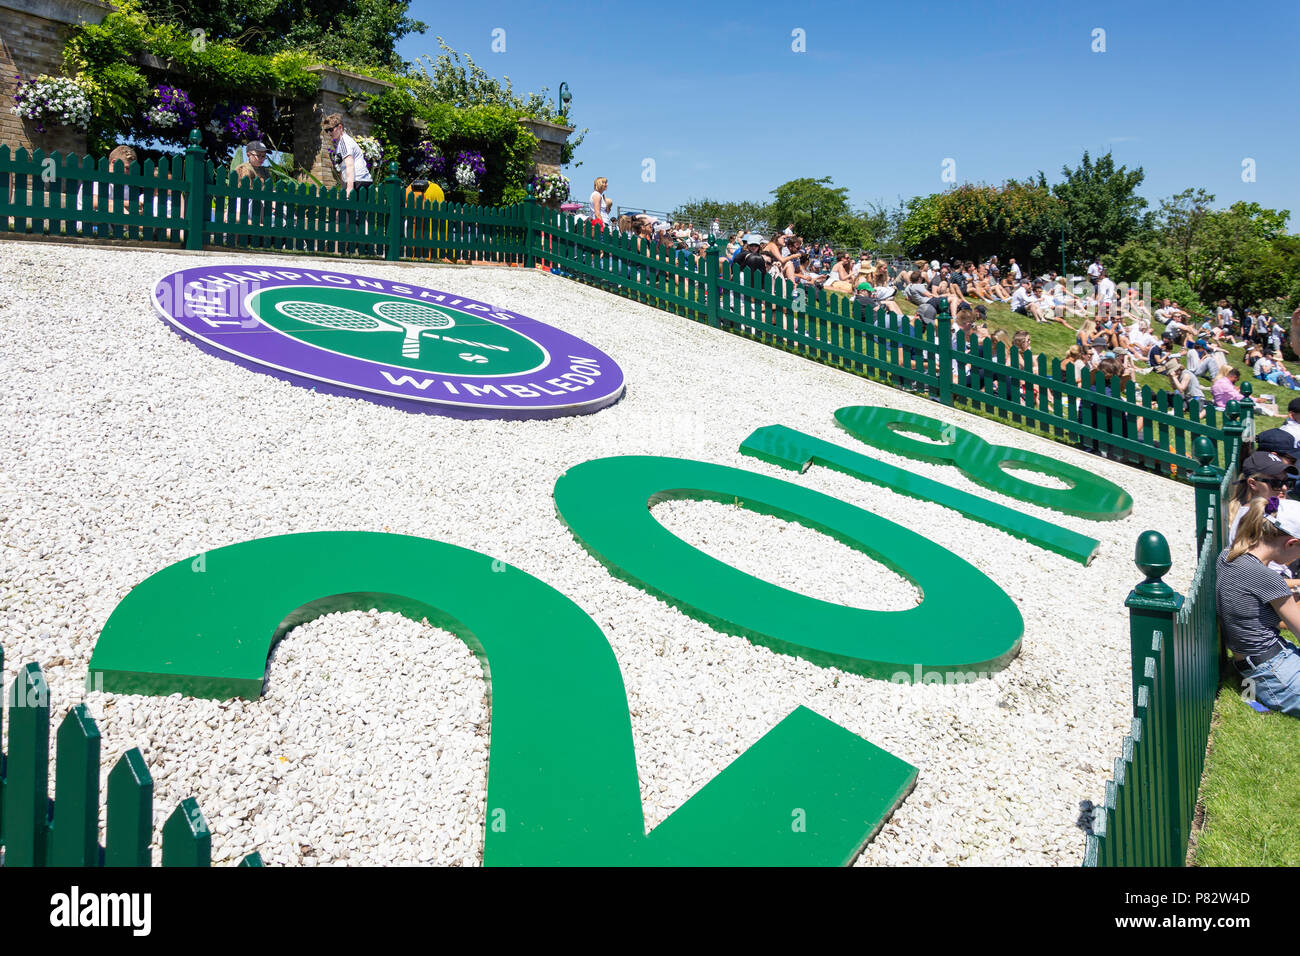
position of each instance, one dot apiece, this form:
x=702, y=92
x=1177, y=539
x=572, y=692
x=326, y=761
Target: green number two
x=562, y=775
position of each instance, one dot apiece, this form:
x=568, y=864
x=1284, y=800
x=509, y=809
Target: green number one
x=965, y=625
x=562, y=776
x=797, y=450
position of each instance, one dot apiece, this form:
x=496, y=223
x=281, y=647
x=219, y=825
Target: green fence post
x=394, y=187
x=711, y=287
x=530, y=217
x=1247, y=408
x=130, y=812
x=75, y=837
x=26, y=792
x=1233, y=431
x=196, y=194
x=1153, y=607
x=943, y=346
x=186, y=840
x=1206, y=480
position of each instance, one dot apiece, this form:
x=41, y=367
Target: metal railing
x=1146, y=817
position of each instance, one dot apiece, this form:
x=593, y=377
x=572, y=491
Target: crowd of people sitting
x=1115, y=329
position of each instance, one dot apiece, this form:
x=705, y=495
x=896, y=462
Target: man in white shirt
x=350, y=165
x=1292, y=424
x=1094, y=271
x=1107, y=297
x=1013, y=269
x=1023, y=301
x=1140, y=337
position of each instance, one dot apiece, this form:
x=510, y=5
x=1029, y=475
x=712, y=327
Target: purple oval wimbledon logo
x=390, y=342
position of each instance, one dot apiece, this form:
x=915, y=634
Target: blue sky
x=882, y=95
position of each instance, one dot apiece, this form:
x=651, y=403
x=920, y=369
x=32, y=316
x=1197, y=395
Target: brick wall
x=32, y=34
x=551, y=138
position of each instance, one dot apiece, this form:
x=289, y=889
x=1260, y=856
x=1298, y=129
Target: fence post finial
x=1206, y=480
x=1151, y=555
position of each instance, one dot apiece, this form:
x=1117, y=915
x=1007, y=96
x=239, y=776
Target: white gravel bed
x=125, y=449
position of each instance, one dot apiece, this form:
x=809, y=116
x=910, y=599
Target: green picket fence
x=1146, y=817
x=1152, y=429
x=37, y=831
x=191, y=203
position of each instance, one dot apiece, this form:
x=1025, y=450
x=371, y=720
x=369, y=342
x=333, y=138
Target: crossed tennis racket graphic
x=411, y=318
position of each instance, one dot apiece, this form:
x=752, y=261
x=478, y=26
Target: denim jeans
x=1277, y=681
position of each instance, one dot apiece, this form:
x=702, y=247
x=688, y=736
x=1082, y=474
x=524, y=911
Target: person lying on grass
x=1274, y=372
x=1254, y=602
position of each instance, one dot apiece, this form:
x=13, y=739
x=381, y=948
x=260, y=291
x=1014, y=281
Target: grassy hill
x=1054, y=340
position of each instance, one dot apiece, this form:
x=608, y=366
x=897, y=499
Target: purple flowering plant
x=172, y=110
x=234, y=124
x=552, y=187
x=468, y=168
x=428, y=162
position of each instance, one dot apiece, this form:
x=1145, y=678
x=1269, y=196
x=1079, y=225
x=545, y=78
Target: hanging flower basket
x=172, y=113
x=551, y=190
x=58, y=100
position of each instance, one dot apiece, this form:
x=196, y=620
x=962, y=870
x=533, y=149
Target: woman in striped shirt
x=1254, y=602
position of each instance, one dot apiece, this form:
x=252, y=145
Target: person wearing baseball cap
x=1279, y=441
x=1254, y=602
x=1263, y=475
x=255, y=167
x=1292, y=424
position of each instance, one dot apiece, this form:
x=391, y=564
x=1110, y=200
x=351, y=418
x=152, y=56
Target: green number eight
x=1090, y=496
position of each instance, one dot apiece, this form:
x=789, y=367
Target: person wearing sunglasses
x=350, y=166
x=1255, y=601
x=1263, y=475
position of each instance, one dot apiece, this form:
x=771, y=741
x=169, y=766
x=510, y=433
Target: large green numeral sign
x=562, y=777
x=964, y=624
x=1090, y=496
x=797, y=450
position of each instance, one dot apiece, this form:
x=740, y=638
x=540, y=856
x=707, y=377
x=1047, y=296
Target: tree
x=879, y=227
x=361, y=32
x=1228, y=253
x=819, y=211
x=1102, y=208
x=746, y=215
x=971, y=222
x=448, y=81
x=1198, y=254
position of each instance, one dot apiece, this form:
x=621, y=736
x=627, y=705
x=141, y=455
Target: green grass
x=1250, y=793
x=1054, y=340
